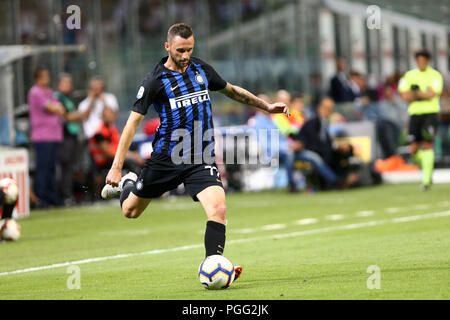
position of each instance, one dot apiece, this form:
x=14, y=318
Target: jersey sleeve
x=215, y=82
x=403, y=84
x=437, y=84
x=146, y=95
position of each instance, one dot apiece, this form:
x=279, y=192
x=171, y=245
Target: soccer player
x=421, y=87
x=179, y=88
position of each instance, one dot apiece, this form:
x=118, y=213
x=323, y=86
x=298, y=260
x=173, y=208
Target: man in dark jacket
x=328, y=159
x=340, y=86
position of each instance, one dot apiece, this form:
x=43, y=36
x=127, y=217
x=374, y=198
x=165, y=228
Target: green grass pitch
x=291, y=246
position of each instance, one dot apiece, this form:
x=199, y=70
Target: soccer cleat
x=109, y=192
x=129, y=176
x=425, y=187
x=237, y=272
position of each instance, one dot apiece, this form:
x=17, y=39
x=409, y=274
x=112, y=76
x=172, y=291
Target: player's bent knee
x=131, y=213
x=128, y=214
x=218, y=213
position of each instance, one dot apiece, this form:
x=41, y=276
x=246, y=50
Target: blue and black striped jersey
x=184, y=107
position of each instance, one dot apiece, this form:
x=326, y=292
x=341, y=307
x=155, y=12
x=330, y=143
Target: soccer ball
x=10, y=189
x=9, y=230
x=216, y=272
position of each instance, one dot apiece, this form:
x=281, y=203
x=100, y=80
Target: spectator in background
x=92, y=110
x=340, y=90
x=360, y=89
x=394, y=108
x=46, y=136
x=358, y=95
x=317, y=92
x=72, y=150
x=70, y=147
x=300, y=113
x=289, y=125
x=96, y=101
x=388, y=132
x=358, y=86
x=328, y=159
x=286, y=146
x=390, y=116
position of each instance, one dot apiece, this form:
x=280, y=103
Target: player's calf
x=213, y=201
x=133, y=206
x=215, y=229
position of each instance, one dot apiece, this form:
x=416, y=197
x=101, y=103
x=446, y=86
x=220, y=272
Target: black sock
x=8, y=210
x=214, y=238
x=128, y=186
x=2, y=197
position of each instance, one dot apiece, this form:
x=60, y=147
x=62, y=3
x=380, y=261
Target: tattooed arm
x=241, y=95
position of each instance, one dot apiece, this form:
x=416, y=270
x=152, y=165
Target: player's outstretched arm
x=115, y=173
x=241, y=95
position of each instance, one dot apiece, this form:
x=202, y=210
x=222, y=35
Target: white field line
x=421, y=206
x=244, y=230
x=365, y=213
x=306, y=221
x=276, y=236
x=274, y=226
x=124, y=233
x=334, y=217
x=394, y=210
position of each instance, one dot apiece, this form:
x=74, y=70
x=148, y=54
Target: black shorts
x=423, y=127
x=160, y=175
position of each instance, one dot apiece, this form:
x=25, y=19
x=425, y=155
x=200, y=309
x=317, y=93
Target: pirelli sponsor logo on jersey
x=189, y=99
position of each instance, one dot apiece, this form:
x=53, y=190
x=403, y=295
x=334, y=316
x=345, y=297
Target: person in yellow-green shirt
x=421, y=87
x=290, y=125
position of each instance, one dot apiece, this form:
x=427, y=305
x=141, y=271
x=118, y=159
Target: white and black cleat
x=109, y=192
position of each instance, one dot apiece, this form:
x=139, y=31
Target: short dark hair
x=180, y=29
x=96, y=78
x=325, y=98
x=423, y=53
x=99, y=79
x=297, y=95
x=63, y=75
x=38, y=71
x=354, y=73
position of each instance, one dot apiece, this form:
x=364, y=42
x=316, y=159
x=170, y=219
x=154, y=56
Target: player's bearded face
x=180, y=50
